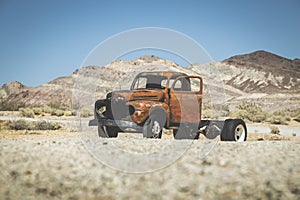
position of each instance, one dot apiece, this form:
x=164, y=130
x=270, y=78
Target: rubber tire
x=107, y=131
x=98, y=104
x=229, y=128
x=186, y=133
x=159, y=117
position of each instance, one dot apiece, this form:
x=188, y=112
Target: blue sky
x=41, y=40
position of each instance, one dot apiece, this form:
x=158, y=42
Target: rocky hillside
x=15, y=95
x=262, y=71
x=97, y=80
x=258, y=72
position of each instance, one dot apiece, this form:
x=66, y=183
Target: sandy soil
x=56, y=165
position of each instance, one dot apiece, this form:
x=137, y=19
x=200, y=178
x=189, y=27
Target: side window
x=182, y=84
x=140, y=83
x=178, y=85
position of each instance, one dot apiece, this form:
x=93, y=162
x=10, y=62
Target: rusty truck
x=158, y=100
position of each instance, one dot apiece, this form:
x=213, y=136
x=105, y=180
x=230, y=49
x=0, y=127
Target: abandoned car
x=158, y=100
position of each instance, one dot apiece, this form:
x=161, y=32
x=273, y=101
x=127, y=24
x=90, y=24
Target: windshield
x=150, y=82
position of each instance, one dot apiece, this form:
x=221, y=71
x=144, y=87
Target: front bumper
x=116, y=123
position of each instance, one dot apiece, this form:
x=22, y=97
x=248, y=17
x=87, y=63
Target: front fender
x=145, y=108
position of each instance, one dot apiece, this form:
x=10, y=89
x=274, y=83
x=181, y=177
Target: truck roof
x=169, y=74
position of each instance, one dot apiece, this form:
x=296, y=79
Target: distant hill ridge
x=257, y=72
x=279, y=74
x=267, y=61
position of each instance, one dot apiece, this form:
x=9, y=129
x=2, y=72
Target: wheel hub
x=239, y=133
x=156, y=129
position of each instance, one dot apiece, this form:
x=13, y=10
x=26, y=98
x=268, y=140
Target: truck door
x=186, y=100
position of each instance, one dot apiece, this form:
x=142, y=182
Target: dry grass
x=25, y=125
x=26, y=112
x=252, y=112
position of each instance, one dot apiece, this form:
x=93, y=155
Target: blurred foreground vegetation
x=251, y=112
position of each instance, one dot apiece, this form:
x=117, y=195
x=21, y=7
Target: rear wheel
x=234, y=130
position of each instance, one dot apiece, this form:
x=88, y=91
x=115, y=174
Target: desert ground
x=58, y=164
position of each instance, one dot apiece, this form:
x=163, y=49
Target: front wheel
x=154, y=125
x=234, y=130
x=107, y=131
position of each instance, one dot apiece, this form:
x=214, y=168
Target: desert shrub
x=243, y=114
x=25, y=125
x=218, y=110
x=283, y=114
x=206, y=114
x=86, y=113
x=57, y=112
x=206, y=111
x=250, y=111
x=47, y=109
x=279, y=117
x=274, y=130
x=26, y=112
x=37, y=110
x=19, y=125
x=277, y=120
x=68, y=113
x=292, y=114
x=43, y=125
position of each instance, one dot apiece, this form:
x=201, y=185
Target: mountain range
x=259, y=76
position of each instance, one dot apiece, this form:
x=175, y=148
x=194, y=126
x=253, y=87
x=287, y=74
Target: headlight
x=120, y=98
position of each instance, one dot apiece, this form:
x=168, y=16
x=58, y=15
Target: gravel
x=57, y=165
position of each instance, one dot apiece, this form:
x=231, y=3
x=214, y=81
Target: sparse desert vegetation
x=274, y=130
x=32, y=112
x=215, y=111
x=26, y=125
x=253, y=112
x=250, y=112
x=26, y=112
